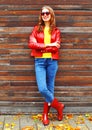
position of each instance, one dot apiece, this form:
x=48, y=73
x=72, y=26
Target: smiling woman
x=45, y=43
x=73, y=82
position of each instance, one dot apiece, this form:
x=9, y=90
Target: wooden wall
x=18, y=89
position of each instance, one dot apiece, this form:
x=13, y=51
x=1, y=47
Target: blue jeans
x=46, y=69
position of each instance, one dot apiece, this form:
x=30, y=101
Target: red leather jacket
x=36, y=43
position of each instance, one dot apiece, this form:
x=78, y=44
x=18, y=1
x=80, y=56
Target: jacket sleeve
x=58, y=37
x=32, y=43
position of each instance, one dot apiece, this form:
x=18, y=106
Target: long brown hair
x=52, y=20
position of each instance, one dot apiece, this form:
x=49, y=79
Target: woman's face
x=46, y=16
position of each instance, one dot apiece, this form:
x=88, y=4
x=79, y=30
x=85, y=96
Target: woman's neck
x=47, y=24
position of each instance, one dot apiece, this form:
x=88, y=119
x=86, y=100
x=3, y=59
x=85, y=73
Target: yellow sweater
x=47, y=40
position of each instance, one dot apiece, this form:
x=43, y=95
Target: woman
x=45, y=43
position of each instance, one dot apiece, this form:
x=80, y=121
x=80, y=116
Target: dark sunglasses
x=43, y=13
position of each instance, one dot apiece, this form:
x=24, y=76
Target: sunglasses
x=43, y=13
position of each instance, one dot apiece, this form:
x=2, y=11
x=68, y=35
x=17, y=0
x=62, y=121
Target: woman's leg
x=51, y=74
x=41, y=74
x=40, y=68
